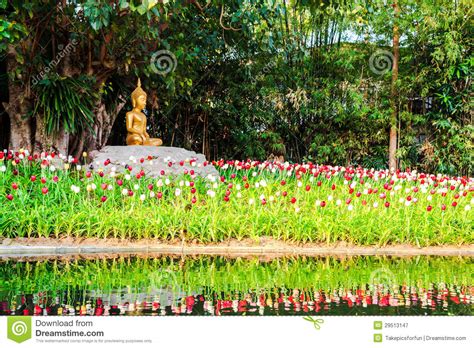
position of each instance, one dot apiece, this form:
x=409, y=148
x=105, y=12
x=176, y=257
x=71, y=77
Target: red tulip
x=308, y=187
x=119, y=182
x=130, y=193
x=226, y=198
x=55, y=178
x=333, y=187
x=15, y=186
x=193, y=190
x=103, y=186
x=322, y=204
x=44, y=190
x=454, y=204
x=358, y=194
x=33, y=178
x=387, y=204
x=194, y=200
x=319, y=183
x=283, y=183
x=159, y=195
x=103, y=198
x=88, y=174
x=10, y=197
x=429, y=208
x=443, y=207
x=293, y=200
x=150, y=187
x=284, y=193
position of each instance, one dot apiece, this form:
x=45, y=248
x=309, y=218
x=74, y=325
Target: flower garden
x=249, y=199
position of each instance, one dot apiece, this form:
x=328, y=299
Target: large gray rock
x=161, y=156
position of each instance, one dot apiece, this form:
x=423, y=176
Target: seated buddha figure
x=136, y=121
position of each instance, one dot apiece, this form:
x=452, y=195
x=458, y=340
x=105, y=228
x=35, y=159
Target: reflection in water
x=390, y=301
x=236, y=288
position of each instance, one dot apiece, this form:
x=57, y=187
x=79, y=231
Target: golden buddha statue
x=136, y=121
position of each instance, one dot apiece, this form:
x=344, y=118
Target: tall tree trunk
x=392, y=160
x=18, y=105
x=103, y=123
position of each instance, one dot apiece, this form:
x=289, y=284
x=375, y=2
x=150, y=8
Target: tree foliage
x=292, y=78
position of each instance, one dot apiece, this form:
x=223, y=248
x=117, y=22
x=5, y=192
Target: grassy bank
x=289, y=202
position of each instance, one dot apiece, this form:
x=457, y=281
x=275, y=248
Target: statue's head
x=139, y=97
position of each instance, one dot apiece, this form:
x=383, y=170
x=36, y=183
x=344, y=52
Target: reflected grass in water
x=218, y=286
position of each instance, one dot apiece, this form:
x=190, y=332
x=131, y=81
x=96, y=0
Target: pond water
x=220, y=286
